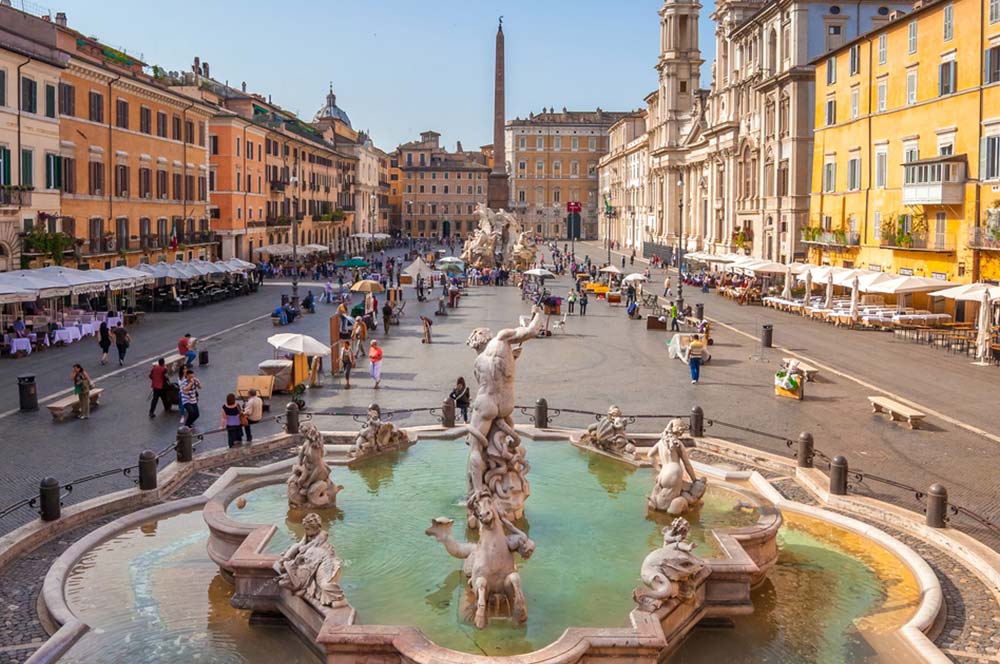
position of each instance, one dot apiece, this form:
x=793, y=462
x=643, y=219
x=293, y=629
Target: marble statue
x=310, y=486
x=497, y=465
x=310, y=568
x=525, y=251
x=608, y=434
x=489, y=562
x=669, y=571
x=672, y=493
x=377, y=436
x=498, y=241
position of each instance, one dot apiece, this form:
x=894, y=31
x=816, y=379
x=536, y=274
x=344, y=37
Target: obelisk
x=498, y=189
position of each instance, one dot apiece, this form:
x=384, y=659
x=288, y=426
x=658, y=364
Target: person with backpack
x=460, y=395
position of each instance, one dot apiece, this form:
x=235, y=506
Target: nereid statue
x=670, y=570
x=499, y=241
x=377, y=436
x=608, y=434
x=672, y=493
x=310, y=486
x=310, y=568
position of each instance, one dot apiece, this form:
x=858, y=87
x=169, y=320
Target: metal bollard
x=838, y=476
x=292, y=418
x=937, y=506
x=185, y=444
x=448, y=413
x=804, y=457
x=147, y=470
x=48, y=499
x=697, y=422
x=542, y=414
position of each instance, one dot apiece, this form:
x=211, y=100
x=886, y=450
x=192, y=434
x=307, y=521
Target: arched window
x=784, y=109
x=772, y=52
x=769, y=174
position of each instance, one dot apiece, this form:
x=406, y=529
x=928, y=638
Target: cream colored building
x=624, y=181
x=30, y=153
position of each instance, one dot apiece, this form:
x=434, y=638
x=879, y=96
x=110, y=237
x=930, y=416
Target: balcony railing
x=935, y=181
x=917, y=242
x=99, y=245
x=15, y=198
x=278, y=185
x=149, y=242
x=199, y=237
x=985, y=238
x=830, y=238
x=280, y=220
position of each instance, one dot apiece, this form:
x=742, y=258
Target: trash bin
x=202, y=358
x=27, y=392
x=766, y=335
x=699, y=311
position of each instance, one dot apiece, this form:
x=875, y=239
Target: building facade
x=624, y=181
x=553, y=158
x=906, y=174
x=439, y=190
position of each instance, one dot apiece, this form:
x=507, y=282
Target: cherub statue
x=309, y=485
x=608, y=433
x=671, y=492
x=310, y=568
x=669, y=571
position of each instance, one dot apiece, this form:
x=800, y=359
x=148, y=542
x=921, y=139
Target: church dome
x=331, y=111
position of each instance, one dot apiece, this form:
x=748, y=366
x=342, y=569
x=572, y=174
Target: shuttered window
x=96, y=107
x=29, y=95
x=67, y=99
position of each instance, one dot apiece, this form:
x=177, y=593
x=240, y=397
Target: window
x=991, y=70
x=69, y=175
x=189, y=132
x=911, y=153
x=176, y=133
x=855, y=59
x=994, y=11
x=145, y=120
x=3, y=87
x=831, y=112
x=145, y=182
x=949, y=22
x=121, y=180
x=50, y=101
x=575, y=144
x=882, y=93
x=855, y=100
x=989, y=158
x=67, y=98
x=947, y=73
x=911, y=38
x=213, y=144
x=53, y=171
x=853, y=174
x=557, y=143
x=831, y=70
x=95, y=175
x=27, y=168
x=829, y=176
x=911, y=87
x=161, y=124
x=539, y=143
x=29, y=95
x=162, y=191
x=96, y=107
x=881, y=168
x=520, y=146
x=882, y=48
x=121, y=114
x=592, y=142
x=946, y=149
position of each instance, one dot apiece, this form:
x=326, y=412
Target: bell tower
x=680, y=60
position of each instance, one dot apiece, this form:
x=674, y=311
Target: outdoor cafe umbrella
x=418, y=268
x=78, y=281
x=828, y=304
x=541, y=273
x=855, y=291
x=381, y=236
x=635, y=276
x=298, y=344
x=983, y=333
x=969, y=292
x=809, y=286
x=353, y=262
x=240, y=263
x=610, y=269
x=367, y=286
x=10, y=294
x=786, y=293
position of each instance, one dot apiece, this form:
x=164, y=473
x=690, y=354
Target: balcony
x=279, y=220
x=99, y=245
x=199, y=237
x=150, y=243
x=935, y=181
x=819, y=237
x=918, y=242
x=278, y=186
x=987, y=238
x=15, y=198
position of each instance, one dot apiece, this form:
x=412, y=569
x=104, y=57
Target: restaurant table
x=114, y=321
x=20, y=344
x=66, y=335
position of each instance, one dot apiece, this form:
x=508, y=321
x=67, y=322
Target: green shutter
x=50, y=101
x=58, y=171
x=3, y=87
x=5, y=166
x=27, y=163
x=983, y=157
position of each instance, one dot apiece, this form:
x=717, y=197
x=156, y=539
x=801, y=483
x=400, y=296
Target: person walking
x=460, y=395
x=232, y=420
x=158, y=381
x=386, y=316
x=104, y=341
x=674, y=317
x=695, y=354
x=181, y=382
x=571, y=300
x=623, y=262
x=375, y=358
x=583, y=303
x=189, y=397
x=253, y=412
x=185, y=348
x=426, y=323
x=122, y=341
x=81, y=388
x=346, y=361
x=666, y=286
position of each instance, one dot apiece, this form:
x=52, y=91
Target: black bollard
x=147, y=470
x=48, y=499
x=542, y=414
x=185, y=444
x=448, y=413
x=937, y=506
x=697, y=422
x=804, y=457
x=838, y=476
x=292, y=418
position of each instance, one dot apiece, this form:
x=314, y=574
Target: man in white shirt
x=254, y=411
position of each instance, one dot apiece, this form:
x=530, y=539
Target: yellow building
x=906, y=167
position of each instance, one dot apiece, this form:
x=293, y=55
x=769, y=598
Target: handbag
x=244, y=420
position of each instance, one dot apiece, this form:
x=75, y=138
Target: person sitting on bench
x=309, y=303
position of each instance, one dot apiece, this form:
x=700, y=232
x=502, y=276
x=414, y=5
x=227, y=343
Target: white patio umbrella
x=983, y=333
x=542, y=273
x=276, y=250
x=828, y=304
x=799, y=268
x=10, y=294
x=381, y=236
x=26, y=280
x=240, y=263
x=786, y=293
x=969, y=292
x=418, y=268
x=635, y=276
x=765, y=267
x=78, y=281
x=226, y=267
x=363, y=236
x=132, y=276
x=610, y=269
x=809, y=286
x=901, y=285
x=298, y=344
x=855, y=296
x=201, y=267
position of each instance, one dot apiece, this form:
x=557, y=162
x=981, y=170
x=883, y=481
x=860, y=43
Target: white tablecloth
x=67, y=335
x=114, y=321
x=20, y=344
x=87, y=329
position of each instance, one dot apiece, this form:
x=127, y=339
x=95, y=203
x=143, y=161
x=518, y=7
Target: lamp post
x=371, y=229
x=680, y=242
x=295, y=249
x=608, y=213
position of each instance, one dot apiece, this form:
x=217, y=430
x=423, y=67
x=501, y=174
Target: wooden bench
x=808, y=370
x=896, y=410
x=70, y=405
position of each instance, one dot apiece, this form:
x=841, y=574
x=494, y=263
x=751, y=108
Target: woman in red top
x=375, y=357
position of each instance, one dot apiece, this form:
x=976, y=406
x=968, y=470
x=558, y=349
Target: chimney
x=243, y=86
x=459, y=148
x=61, y=19
x=197, y=65
x=204, y=69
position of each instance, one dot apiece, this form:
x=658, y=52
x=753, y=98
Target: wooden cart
x=263, y=384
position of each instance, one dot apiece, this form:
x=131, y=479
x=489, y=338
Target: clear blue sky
x=400, y=67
